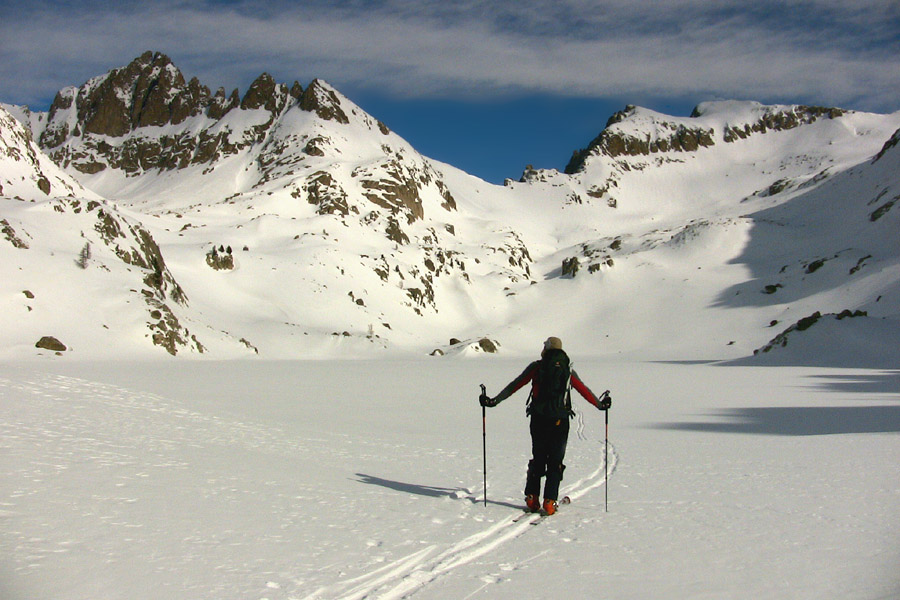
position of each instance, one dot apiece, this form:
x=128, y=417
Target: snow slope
x=333, y=480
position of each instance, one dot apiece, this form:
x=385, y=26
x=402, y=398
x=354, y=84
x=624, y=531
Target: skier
x=550, y=408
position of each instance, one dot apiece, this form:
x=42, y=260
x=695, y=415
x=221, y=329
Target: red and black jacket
x=530, y=374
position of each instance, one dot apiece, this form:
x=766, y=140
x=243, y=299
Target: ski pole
x=606, y=459
x=484, y=441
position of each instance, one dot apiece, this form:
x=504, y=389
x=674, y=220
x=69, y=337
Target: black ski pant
x=548, y=449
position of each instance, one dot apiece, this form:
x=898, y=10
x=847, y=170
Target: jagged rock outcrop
x=326, y=194
x=394, y=186
x=779, y=119
x=9, y=233
x=126, y=103
x=659, y=134
x=265, y=93
x=781, y=340
x=149, y=91
x=570, y=266
x=220, y=259
x=888, y=145
x=614, y=142
x=322, y=100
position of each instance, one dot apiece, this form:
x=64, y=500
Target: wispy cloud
x=827, y=51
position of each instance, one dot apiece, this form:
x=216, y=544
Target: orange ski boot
x=549, y=507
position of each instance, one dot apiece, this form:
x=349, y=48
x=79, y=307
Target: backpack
x=553, y=398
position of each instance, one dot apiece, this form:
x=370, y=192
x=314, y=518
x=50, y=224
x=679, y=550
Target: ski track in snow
x=408, y=575
x=70, y=413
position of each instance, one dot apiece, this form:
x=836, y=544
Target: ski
x=525, y=514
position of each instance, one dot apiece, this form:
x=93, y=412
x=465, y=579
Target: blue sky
x=484, y=85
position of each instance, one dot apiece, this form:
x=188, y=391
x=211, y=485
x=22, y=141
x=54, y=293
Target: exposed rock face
x=219, y=105
x=134, y=246
x=888, y=145
x=11, y=236
x=323, y=101
x=324, y=192
x=781, y=340
x=151, y=92
x=396, y=189
x=487, y=345
x=109, y=123
x=570, y=266
x=615, y=141
x=265, y=93
x=220, y=260
x=780, y=120
x=121, y=236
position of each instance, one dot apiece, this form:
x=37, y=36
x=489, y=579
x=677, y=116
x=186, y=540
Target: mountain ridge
x=343, y=240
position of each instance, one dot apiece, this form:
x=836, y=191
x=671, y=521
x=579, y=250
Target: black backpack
x=553, y=398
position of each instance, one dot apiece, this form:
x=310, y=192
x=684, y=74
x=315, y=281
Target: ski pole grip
x=603, y=402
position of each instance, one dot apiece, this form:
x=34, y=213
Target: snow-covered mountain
x=288, y=222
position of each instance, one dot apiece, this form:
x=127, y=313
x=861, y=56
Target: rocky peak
x=649, y=136
x=621, y=115
x=265, y=93
x=148, y=91
x=220, y=105
x=321, y=99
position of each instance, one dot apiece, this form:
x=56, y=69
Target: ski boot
x=549, y=507
x=532, y=503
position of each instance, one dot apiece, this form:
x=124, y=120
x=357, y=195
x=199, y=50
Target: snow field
x=363, y=479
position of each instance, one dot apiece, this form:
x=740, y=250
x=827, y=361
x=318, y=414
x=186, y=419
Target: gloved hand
x=484, y=400
x=605, y=401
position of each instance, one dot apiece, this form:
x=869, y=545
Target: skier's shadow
x=430, y=491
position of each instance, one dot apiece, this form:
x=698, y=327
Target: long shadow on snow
x=427, y=490
x=884, y=382
x=798, y=421
x=871, y=381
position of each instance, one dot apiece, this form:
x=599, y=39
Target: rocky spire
x=265, y=93
x=322, y=100
x=148, y=91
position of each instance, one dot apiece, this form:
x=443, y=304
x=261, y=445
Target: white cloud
x=815, y=50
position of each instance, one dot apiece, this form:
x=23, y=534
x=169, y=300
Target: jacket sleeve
x=518, y=383
x=584, y=390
